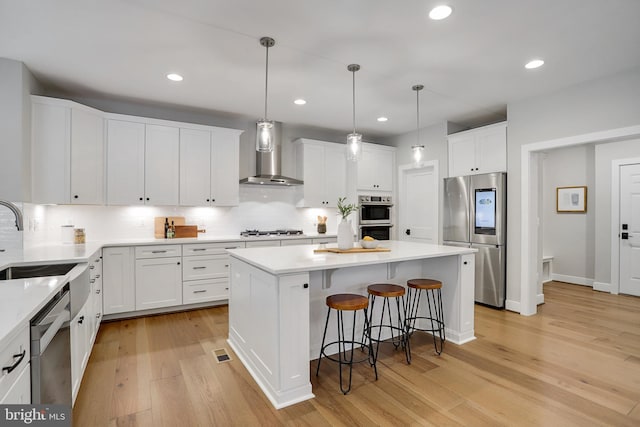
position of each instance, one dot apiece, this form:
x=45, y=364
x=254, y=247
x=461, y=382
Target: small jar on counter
x=79, y=236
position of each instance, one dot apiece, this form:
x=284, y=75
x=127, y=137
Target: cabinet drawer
x=210, y=248
x=205, y=267
x=325, y=240
x=15, y=352
x=262, y=243
x=205, y=290
x=295, y=242
x=158, y=251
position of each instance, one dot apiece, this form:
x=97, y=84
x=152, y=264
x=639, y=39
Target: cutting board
x=158, y=230
x=186, y=231
x=351, y=250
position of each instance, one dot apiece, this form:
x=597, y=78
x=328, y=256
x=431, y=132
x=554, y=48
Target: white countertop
x=296, y=259
x=21, y=299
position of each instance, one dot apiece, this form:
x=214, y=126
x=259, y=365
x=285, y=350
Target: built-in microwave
x=375, y=210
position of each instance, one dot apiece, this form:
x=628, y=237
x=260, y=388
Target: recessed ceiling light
x=382, y=119
x=534, y=64
x=174, y=77
x=300, y=101
x=440, y=12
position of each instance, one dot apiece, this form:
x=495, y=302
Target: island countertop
x=296, y=259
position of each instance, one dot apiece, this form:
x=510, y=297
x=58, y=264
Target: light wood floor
x=576, y=363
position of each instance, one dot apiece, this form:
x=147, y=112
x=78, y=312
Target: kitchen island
x=277, y=302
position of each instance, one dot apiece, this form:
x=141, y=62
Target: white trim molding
x=574, y=280
x=529, y=203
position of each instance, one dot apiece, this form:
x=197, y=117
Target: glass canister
x=79, y=236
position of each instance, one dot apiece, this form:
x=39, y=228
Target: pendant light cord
x=418, y=116
x=354, y=100
x=266, y=83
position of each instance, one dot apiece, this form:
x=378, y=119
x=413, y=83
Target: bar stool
x=342, y=303
x=435, y=317
x=386, y=291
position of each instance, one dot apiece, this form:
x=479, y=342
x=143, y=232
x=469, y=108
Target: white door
x=418, y=204
x=630, y=224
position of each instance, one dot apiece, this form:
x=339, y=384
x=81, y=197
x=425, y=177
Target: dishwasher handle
x=54, y=319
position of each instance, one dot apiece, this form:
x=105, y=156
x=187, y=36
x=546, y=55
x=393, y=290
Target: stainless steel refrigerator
x=475, y=215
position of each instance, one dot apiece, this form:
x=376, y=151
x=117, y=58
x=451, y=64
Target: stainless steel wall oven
x=375, y=217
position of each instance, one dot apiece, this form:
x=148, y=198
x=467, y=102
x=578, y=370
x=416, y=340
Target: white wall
x=569, y=237
x=608, y=103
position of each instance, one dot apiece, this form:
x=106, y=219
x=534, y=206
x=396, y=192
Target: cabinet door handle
x=226, y=265
x=306, y=285
x=80, y=320
x=231, y=247
x=465, y=263
x=178, y=262
x=97, y=276
x=140, y=198
x=200, y=291
x=199, y=249
x=97, y=291
x=159, y=252
x=91, y=267
x=75, y=197
x=199, y=268
x=10, y=369
x=92, y=281
x=97, y=315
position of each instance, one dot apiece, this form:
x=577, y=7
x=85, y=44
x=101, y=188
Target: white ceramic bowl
x=369, y=244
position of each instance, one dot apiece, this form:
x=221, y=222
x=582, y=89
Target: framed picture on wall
x=571, y=199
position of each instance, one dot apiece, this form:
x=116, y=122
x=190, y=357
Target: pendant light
x=354, y=140
x=264, y=127
x=418, y=149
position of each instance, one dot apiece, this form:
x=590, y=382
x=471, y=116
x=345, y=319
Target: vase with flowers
x=345, y=231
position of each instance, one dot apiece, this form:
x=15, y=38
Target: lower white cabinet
x=295, y=242
x=205, y=290
x=119, y=292
x=158, y=282
x=81, y=329
x=324, y=240
x=15, y=379
x=262, y=243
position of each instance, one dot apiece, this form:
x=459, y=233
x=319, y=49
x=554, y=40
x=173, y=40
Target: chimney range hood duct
x=268, y=167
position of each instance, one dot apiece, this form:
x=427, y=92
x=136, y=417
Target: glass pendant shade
x=354, y=147
x=264, y=136
x=418, y=151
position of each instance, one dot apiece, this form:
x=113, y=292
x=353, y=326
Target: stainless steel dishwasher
x=51, y=351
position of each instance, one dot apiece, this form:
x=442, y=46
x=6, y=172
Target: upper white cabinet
x=125, y=162
x=118, y=285
x=375, y=169
x=209, y=167
x=161, y=165
x=476, y=151
x=142, y=163
x=323, y=168
x=67, y=152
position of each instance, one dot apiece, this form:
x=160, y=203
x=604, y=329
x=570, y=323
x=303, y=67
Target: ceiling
x=471, y=64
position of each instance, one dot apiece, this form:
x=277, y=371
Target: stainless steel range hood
x=268, y=165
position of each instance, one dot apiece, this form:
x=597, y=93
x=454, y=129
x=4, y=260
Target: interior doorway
x=628, y=226
x=530, y=253
x=419, y=203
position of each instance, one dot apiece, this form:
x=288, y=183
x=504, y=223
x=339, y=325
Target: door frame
x=615, y=220
x=530, y=259
x=426, y=165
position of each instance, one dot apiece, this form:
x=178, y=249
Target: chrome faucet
x=13, y=208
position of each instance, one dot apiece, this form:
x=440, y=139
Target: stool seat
x=387, y=290
x=347, y=302
x=424, y=284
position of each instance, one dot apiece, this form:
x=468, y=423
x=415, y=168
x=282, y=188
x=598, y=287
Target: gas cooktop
x=282, y=232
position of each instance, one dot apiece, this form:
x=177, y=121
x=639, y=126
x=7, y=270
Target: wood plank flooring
x=576, y=363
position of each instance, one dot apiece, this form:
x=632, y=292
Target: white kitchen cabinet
x=480, y=150
x=80, y=329
x=205, y=271
x=376, y=168
x=262, y=243
x=125, y=162
x=161, y=165
x=158, y=276
x=15, y=380
x=209, y=167
x=67, y=152
x=323, y=168
x=324, y=240
x=295, y=242
x=118, y=293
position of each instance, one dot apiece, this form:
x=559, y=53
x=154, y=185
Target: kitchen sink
x=26, y=271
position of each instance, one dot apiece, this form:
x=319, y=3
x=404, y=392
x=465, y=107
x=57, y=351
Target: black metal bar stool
x=435, y=317
x=386, y=291
x=342, y=303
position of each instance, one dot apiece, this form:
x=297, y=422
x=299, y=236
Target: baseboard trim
x=540, y=299
x=603, y=287
x=572, y=279
x=512, y=305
